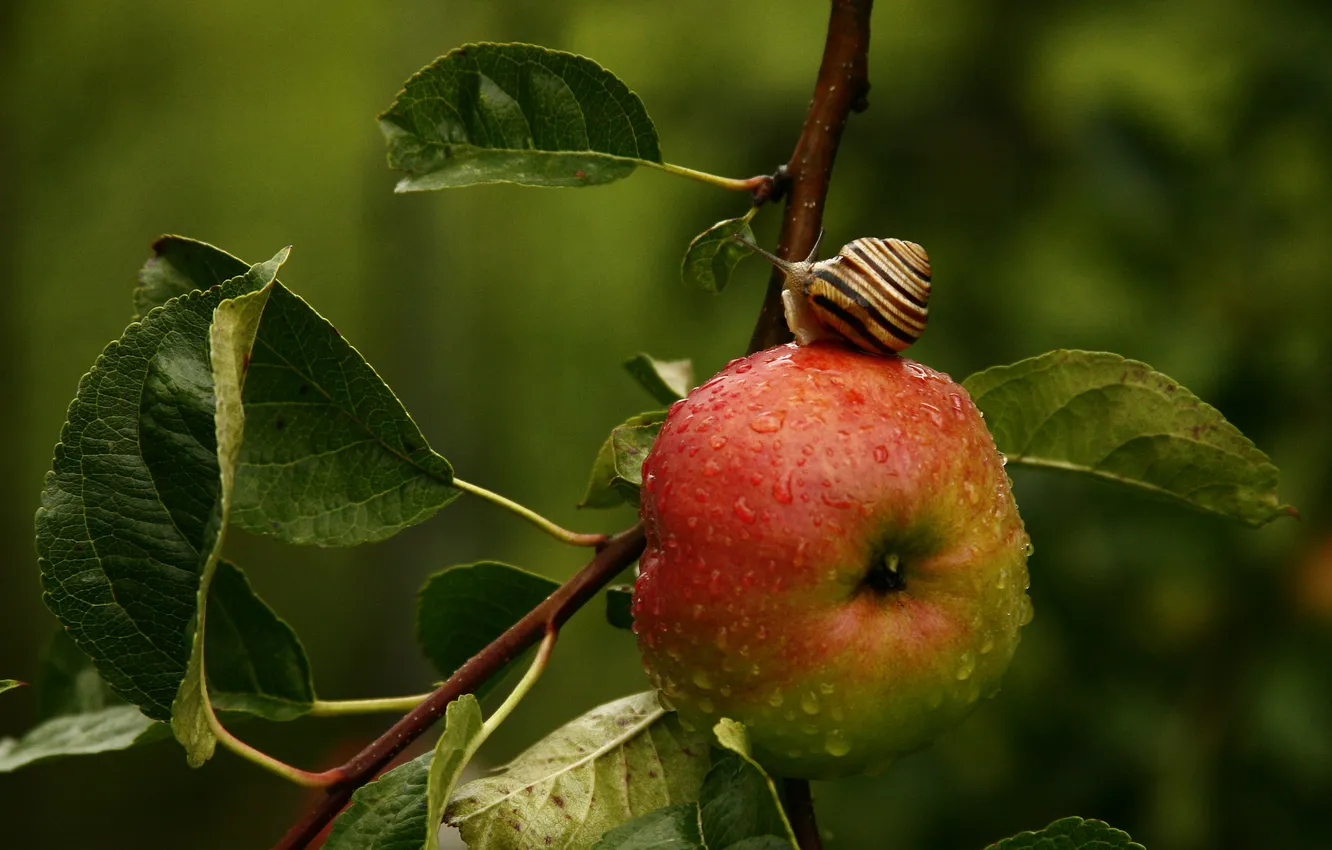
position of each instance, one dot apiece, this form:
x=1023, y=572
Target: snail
x=874, y=294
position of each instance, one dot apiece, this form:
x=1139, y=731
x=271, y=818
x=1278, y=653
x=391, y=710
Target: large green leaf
x=231, y=338
x=667, y=381
x=617, y=473
x=331, y=457
x=1070, y=834
x=114, y=728
x=255, y=661
x=713, y=255
x=179, y=266
x=461, y=609
x=129, y=513
x=515, y=113
x=1117, y=419
x=619, y=761
x=401, y=809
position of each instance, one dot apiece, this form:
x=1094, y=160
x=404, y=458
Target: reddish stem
x=841, y=89
x=619, y=552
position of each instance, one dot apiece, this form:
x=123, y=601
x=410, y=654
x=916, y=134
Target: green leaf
x=232, y=335
x=255, y=661
x=713, y=255
x=619, y=606
x=668, y=828
x=515, y=113
x=1070, y=834
x=10, y=684
x=461, y=736
x=331, y=457
x=178, y=267
x=619, y=761
x=667, y=381
x=461, y=609
x=617, y=473
x=1116, y=419
x=114, y=728
x=128, y=516
x=739, y=799
x=402, y=808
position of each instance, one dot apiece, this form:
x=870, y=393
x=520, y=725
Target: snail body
x=874, y=294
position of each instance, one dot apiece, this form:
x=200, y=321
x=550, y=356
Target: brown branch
x=800, y=811
x=621, y=551
x=842, y=87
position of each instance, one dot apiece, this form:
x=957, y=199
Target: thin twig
x=841, y=89
x=621, y=551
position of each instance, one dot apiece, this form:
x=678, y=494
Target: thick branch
x=800, y=811
x=842, y=87
x=621, y=551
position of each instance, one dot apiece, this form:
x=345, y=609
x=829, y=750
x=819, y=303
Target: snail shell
x=874, y=294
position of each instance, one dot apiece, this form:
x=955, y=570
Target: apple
x=834, y=558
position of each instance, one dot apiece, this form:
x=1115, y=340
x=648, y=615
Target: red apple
x=834, y=557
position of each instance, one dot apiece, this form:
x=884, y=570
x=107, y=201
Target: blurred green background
x=1152, y=178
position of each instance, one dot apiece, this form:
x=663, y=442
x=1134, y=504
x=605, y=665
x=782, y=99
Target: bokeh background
x=1152, y=178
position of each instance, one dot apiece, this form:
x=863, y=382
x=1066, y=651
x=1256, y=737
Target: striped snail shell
x=874, y=294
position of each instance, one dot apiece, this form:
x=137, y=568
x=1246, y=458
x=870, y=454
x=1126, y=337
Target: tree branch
x=621, y=551
x=800, y=811
x=841, y=89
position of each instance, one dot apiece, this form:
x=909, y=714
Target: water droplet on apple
x=756, y=478
x=966, y=667
x=768, y=423
x=710, y=469
x=916, y=371
x=692, y=521
x=776, y=699
x=826, y=688
x=743, y=367
x=1001, y=582
x=705, y=705
x=717, y=441
x=936, y=416
x=809, y=703
x=881, y=454
x=744, y=512
x=724, y=690
x=836, y=745
x=781, y=489
x=1003, y=459
x=702, y=679
x=987, y=646
x=700, y=495
x=1025, y=611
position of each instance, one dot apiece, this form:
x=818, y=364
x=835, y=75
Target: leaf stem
x=292, y=774
x=375, y=705
x=564, y=535
x=534, y=671
x=749, y=184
